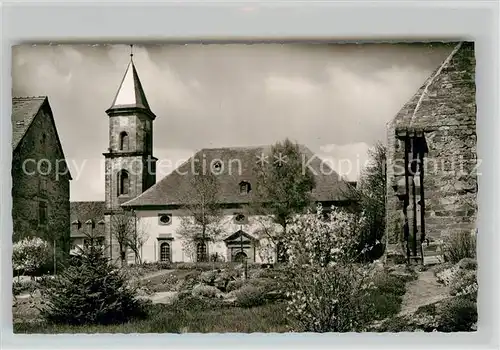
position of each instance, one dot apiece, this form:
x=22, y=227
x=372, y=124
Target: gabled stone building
x=431, y=161
x=40, y=176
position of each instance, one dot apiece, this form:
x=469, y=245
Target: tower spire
x=130, y=93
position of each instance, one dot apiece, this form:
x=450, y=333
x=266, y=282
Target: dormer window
x=76, y=224
x=217, y=166
x=245, y=187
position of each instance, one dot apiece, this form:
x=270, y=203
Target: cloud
x=297, y=87
x=225, y=95
x=347, y=160
x=170, y=159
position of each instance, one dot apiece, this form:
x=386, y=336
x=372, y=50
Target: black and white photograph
x=244, y=188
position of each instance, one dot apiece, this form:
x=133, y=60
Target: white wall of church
x=157, y=233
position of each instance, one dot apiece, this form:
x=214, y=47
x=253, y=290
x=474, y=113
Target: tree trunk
x=122, y=256
x=204, y=253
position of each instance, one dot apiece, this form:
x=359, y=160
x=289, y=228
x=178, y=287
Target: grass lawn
x=190, y=314
x=184, y=317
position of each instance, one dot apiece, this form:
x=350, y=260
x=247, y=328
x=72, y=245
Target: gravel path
x=155, y=274
x=423, y=291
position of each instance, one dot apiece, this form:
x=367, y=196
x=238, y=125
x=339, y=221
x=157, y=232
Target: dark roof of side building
x=24, y=111
x=81, y=212
x=174, y=188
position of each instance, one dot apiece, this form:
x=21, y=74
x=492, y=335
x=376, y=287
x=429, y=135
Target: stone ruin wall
x=447, y=117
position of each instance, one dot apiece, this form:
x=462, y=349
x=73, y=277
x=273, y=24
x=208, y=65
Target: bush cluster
x=384, y=299
x=24, y=286
x=203, y=290
x=234, y=285
x=249, y=296
x=230, y=286
x=460, y=246
x=458, y=315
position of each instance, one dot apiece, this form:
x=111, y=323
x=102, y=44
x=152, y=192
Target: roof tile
x=237, y=165
x=24, y=110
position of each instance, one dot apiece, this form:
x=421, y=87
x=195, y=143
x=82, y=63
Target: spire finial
x=131, y=51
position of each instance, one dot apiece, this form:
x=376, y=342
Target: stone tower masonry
x=129, y=163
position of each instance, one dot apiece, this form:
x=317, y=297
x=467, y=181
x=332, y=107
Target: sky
x=336, y=99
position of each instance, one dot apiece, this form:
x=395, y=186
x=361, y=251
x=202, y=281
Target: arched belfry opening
x=124, y=141
x=123, y=183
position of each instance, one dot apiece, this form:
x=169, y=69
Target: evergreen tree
x=90, y=291
x=370, y=196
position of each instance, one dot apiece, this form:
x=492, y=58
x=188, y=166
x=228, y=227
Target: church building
x=158, y=209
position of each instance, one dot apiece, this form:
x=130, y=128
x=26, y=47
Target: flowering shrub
x=327, y=289
x=30, y=254
x=463, y=279
x=469, y=289
x=446, y=276
x=314, y=240
x=266, y=250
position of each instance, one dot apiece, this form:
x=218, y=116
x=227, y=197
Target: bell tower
x=130, y=168
x=130, y=165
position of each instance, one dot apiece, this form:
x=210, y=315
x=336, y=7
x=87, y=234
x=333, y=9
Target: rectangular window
x=42, y=213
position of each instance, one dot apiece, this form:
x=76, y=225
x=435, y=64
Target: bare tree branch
x=205, y=217
x=123, y=228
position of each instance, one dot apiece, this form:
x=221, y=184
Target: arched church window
x=165, y=252
x=123, y=182
x=123, y=141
